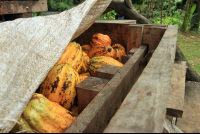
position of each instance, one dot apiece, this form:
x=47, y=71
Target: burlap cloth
x=29, y=48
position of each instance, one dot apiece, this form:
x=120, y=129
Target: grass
x=189, y=44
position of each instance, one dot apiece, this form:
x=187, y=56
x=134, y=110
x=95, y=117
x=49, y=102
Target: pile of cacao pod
x=51, y=108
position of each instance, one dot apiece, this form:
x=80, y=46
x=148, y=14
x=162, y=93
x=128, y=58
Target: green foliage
x=138, y=2
x=62, y=5
x=174, y=18
x=108, y=16
x=193, y=8
x=34, y=14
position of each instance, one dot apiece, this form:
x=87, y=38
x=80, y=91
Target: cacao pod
x=119, y=51
x=97, y=62
x=42, y=115
x=59, y=85
x=72, y=55
x=85, y=63
x=101, y=50
x=86, y=48
x=100, y=39
x=83, y=76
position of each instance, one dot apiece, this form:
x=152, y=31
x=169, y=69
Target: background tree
x=196, y=17
x=184, y=26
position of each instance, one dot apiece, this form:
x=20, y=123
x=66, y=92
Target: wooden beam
x=175, y=102
x=87, y=90
x=13, y=7
x=117, y=21
x=144, y=108
x=95, y=117
x=135, y=38
x=107, y=71
x=152, y=35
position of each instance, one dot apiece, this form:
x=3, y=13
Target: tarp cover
x=29, y=48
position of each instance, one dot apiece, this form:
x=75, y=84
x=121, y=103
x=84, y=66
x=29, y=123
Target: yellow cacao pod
x=97, y=62
x=59, y=85
x=42, y=115
x=72, y=55
x=85, y=63
x=83, y=76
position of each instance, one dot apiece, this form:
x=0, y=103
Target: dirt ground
x=190, y=122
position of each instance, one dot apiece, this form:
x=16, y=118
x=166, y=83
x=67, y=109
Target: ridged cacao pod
x=97, y=62
x=119, y=51
x=83, y=76
x=42, y=115
x=85, y=63
x=86, y=48
x=100, y=39
x=59, y=85
x=101, y=50
x=72, y=55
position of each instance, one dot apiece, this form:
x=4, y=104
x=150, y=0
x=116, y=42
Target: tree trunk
x=120, y=7
x=154, y=8
x=140, y=9
x=148, y=9
x=168, y=8
x=161, y=12
x=196, y=18
x=184, y=25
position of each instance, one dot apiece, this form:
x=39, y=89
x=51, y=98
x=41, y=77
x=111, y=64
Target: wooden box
x=13, y=9
x=147, y=83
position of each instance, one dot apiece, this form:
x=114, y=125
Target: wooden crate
x=147, y=84
x=13, y=9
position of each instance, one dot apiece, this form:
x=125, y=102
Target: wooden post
x=87, y=90
x=175, y=102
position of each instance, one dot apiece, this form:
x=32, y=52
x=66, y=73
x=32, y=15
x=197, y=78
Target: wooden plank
x=117, y=21
x=12, y=7
x=146, y=33
x=95, y=117
x=144, y=108
x=87, y=90
x=156, y=35
x=135, y=37
x=175, y=102
x=25, y=15
x=133, y=50
x=106, y=71
x=152, y=35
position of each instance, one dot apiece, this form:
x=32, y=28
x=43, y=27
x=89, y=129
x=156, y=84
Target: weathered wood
x=156, y=35
x=106, y=71
x=190, y=122
x=144, y=108
x=25, y=15
x=135, y=38
x=95, y=117
x=87, y=90
x=12, y=7
x=175, y=102
x=133, y=50
x=152, y=35
x=146, y=33
x=117, y=21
